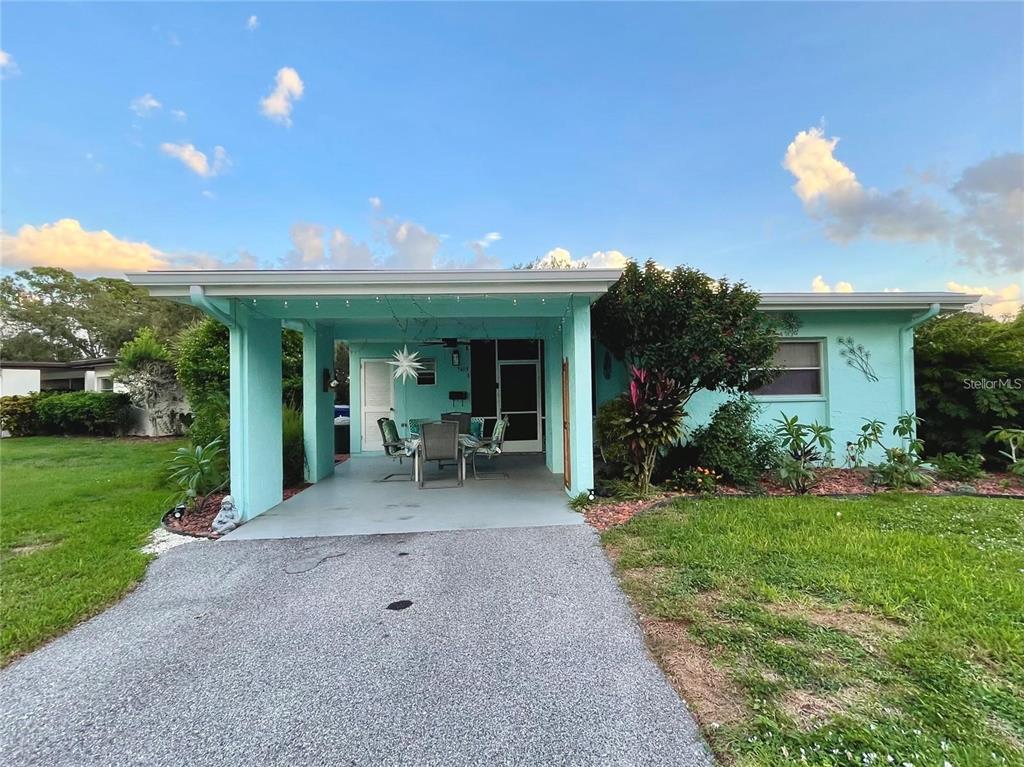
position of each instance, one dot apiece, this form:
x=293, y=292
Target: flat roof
x=233, y=283
x=51, y=365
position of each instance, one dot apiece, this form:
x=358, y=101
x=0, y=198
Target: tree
x=50, y=314
x=700, y=332
x=970, y=380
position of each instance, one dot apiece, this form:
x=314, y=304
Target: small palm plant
x=196, y=472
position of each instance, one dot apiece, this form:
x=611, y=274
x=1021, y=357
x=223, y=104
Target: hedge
x=76, y=412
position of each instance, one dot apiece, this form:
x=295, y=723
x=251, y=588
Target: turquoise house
x=508, y=343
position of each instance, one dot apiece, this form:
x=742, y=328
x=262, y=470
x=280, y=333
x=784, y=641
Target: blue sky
x=655, y=131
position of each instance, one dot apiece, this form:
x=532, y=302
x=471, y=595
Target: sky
x=792, y=146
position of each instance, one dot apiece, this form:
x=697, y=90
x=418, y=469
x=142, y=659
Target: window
x=428, y=373
x=104, y=383
x=801, y=370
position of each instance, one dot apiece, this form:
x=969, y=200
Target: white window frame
x=822, y=369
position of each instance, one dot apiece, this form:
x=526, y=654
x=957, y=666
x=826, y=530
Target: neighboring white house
x=19, y=378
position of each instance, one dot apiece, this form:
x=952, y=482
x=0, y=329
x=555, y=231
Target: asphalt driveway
x=518, y=649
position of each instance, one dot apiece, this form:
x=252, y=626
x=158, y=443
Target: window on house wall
x=801, y=370
x=105, y=383
x=428, y=373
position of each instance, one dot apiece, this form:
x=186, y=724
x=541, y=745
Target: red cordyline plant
x=652, y=421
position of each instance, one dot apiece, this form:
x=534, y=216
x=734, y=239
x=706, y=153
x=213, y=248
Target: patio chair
x=439, y=442
x=489, y=447
x=462, y=419
x=394, y=446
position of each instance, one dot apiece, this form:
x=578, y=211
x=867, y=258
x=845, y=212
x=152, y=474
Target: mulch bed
x=197, y=523
x=831, y=483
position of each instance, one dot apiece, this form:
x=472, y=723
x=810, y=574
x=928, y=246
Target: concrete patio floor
x=353, y=502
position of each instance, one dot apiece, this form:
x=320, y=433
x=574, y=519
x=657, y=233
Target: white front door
x=377, y=395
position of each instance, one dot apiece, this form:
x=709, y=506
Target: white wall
x=17, y=382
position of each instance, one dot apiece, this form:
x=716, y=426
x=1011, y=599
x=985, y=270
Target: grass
x=75, y=512
x=884, y=630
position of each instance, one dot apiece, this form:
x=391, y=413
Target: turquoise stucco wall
x=411, y=400
x=847, y=397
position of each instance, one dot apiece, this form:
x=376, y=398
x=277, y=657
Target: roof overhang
x=378, y=282
x=893, y=301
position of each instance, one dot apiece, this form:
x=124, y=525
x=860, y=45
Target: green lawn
x=843, y=631
x=74, y=513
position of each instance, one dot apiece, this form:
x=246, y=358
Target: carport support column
x=317, y=404
x=256, y=452
x=553, y=401
x=581, y=425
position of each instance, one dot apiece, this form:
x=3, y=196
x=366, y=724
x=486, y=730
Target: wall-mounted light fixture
x=456, y=358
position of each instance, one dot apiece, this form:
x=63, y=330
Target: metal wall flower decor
x=406, y=365
x=857, y=356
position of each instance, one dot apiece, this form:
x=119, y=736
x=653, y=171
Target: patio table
x=412, y=445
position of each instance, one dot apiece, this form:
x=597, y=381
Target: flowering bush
x=699, y=479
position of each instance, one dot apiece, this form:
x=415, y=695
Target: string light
x=285, y=304
x=347, y=303
x=316, y=304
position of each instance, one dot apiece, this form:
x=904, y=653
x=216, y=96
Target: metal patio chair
x=394, y=446
x=489, y=447
x=439, y=442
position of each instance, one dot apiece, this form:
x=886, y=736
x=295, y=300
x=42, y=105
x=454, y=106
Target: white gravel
x=161, y=540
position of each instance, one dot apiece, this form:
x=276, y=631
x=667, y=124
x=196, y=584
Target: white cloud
x=8, y=66
x=252, y=23
x=412, y=245
x=342, y=252
x=346, y=253
x=479, y=247
x=560, y=258
x=143, y=105
x=307, y=246
x=179, y=115
x=818, y=285
x=288, y=88
x=1001, y=303
x=208, y=194
x=197, y=161
x=67, y=245
x=985, y=231
x=376, y=203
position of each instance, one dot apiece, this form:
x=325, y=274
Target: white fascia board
x=236, y=283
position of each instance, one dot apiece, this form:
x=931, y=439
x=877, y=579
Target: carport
x=520, y=492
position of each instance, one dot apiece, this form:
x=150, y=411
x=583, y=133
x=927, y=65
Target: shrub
x=609, y=433
x=949, y=354
x=83, y=412
x=804, y=446
x=733, y=445
x=699, y=479
x=903, y=466
x=196, y=472
x=18, y=415
x=651, y=422
x=142, y=349
x=1014, y=440
x=294, y=459
x=870, y=436
x=959, y=468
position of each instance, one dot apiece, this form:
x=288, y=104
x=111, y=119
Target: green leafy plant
x=651, y=422
x=83, y=412
x=959, y=468
x=144, y=348
x=1014, y=440
x=18, y=415
x=903, y=466
x=196, y=473
x=581, y=501
x=733, y=445
x=610, y=416
x=294, y=458
x=804, y=446
x=870, y=436
x=698, y=479
x=966, y=365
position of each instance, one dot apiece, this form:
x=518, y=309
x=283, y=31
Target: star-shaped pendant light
x=406, y=364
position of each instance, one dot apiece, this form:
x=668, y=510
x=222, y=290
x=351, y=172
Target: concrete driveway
x=518, y=649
